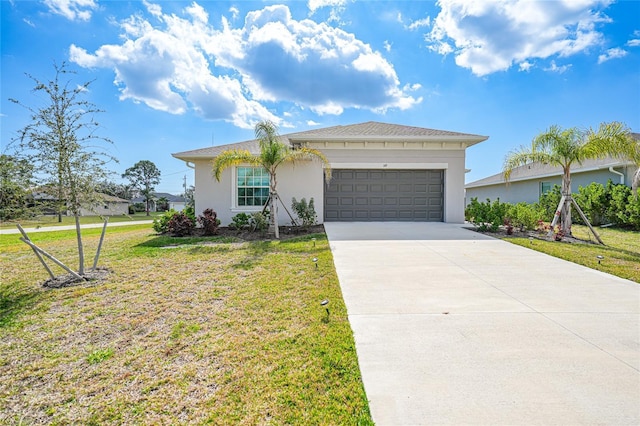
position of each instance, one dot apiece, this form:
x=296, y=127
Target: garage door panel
x=379, y=195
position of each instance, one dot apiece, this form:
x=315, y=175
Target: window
x=252, y=186
x=545, y=187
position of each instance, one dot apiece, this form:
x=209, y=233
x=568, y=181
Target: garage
x=384, y=195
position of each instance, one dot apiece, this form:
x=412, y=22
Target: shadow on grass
x=12, y=305
x=167, y=241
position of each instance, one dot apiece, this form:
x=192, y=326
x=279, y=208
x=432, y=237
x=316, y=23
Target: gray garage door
x=385, y=195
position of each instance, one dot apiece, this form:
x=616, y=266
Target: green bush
x=548, y=202
x=594, y=203
x=240, y=221
x=524, y=216
x=161, y=223
x=259, y=221
x=486, y=216
x=305, y=212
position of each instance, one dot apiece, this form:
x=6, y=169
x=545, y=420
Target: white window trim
x=235, y=208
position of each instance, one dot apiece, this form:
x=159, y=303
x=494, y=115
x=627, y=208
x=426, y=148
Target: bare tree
x=60, y=142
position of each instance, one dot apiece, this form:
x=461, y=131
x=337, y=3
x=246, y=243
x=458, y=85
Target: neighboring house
x=107, y=206
x=528, y=182
x=381, y=172
x=176, y=202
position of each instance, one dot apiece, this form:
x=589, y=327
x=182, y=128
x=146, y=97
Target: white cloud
x=387, y=45
x=312, y=123
x=614, y=53
x=232, y=74
x=525, y=66
x=420, y=23
x=72, y=9
x=318, y=4
x=234, y=12
x=635, y=41
x=557, y=69
x=493, y=35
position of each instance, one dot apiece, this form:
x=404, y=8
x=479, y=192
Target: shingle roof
x=376, y=129
x=370, y=130
x=537, y=170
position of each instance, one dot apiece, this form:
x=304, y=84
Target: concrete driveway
x=453, y=327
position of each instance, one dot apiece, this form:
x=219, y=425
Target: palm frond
x=522, y=157
x=233, y=158
x=303, y=153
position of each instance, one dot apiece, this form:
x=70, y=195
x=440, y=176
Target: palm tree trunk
x=273, y=207
x=566, y=209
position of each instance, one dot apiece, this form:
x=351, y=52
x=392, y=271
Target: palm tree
x=563, y=148
x=616, y=140
x=273, y=152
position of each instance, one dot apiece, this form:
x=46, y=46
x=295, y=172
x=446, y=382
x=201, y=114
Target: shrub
x=161, y=223
x=486, y=216
x=191, y=212
x=306, y=212
x=259, y=221
x=181, y=224
x=524, y=216
x=209, y=222
x=594, y=202
x=240, y=221
x=548, y=202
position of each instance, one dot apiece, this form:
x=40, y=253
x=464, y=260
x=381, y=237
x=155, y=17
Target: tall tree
x=564, y=148
x=144, y=176
x=115, y=189
x=273, y=152
x=16, y=178
x=62, y=145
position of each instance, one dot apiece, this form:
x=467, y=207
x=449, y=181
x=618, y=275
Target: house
x=528, y=182
x=175, y=202
x=380, y=172
x=107, y=205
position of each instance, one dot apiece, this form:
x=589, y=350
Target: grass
x=621, y=252
x=51, y=220
x=184, y=331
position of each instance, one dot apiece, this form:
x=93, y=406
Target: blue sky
x=174, y=76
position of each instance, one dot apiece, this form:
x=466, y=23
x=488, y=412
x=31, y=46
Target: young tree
x=61, y=143
x=273, y=152
x=564, y=148
x=144, y=176
x=16, y=178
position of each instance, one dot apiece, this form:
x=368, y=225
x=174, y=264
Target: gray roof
x=371, y=130
x=537, y=171
x=157, y=195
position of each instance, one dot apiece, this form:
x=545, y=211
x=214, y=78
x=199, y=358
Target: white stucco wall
x=300, y=180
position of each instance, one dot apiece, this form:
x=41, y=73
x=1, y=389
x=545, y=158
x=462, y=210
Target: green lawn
x=69, y=220
x=192, y=331
x=621, y=252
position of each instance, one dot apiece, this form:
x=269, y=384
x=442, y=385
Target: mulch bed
x=286, y=233
x=92, y=277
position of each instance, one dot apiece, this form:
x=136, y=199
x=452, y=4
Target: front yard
x=621, y=254
x=187, y=331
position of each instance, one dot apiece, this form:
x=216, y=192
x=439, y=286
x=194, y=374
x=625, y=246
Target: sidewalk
x=71, y=227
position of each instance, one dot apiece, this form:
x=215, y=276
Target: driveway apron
x=454, y=327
